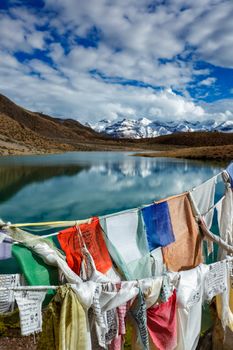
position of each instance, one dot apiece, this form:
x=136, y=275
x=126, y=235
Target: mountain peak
x=144, y=121
x=146, y=128
x=106, y=121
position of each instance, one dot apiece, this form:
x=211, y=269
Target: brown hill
x=216, y=146
x=43, y=124
x=194, y=139
x=214, y=153
x=23, y=131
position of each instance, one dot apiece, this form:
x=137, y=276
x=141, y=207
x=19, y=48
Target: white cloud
x=219, y=110
x=36, y=40
x=87, y=99
x=19, y=33
x=208, y=81
x=132, y=44
x=205, y=24
x=211, y=33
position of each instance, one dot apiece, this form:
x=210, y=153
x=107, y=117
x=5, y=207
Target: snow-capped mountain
x=141, y=128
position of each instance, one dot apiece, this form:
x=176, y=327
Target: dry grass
x=194, y=139
x=216, y=153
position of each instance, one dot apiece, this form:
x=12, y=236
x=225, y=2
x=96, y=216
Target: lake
x=79, y=185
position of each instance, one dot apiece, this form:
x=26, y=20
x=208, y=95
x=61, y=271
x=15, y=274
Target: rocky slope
x=23, y=131
x=26, y=132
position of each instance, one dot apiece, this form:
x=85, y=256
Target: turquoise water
x=82, y=184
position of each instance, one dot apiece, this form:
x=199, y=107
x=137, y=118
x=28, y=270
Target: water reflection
x=14, y=178
x=79, y=185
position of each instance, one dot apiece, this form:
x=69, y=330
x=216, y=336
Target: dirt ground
x=14, y=341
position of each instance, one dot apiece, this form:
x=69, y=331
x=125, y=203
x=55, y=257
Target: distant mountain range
x=26, y=132
x=146, y=128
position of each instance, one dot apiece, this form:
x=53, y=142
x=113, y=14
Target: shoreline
x=210, y=153
x=86, y=148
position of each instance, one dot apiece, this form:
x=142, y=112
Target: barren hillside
x=26, y=132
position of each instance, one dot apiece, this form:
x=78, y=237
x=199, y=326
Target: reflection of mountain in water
x=144, y=167
x=14, y=178
x=78, y=186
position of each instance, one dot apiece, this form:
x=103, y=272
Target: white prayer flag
x=7, y=299
x=30, y=304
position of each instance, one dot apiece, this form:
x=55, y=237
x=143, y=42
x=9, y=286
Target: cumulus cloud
x=19, y=31
x=162, y=30
x=88, y=99
x=211, y=33
x=220, y=110
x=91, y=60
x=208, y=81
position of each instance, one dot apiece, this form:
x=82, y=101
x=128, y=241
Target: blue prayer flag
x=158, y=225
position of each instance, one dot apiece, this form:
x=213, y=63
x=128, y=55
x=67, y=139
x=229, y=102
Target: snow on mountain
x=100, y=126
x=227, y=126
x=143, y=127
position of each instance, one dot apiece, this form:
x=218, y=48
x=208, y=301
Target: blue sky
x=95, y=59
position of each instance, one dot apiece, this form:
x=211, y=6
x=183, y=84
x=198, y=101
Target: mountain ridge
x=38, y=122
x=26, y=132
x=146, y=128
